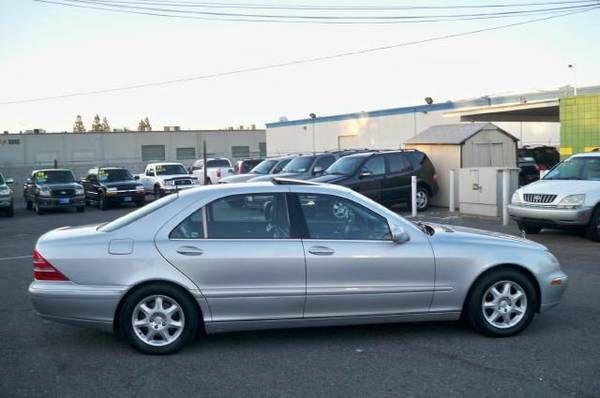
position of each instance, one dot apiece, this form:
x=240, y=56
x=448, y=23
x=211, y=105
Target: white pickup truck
x=165, y=178
x=216, y=169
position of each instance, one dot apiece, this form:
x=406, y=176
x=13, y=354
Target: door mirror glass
x=10, y=181
x=318, y=170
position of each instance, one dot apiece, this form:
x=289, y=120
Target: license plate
x=63, y=201
x=127, y=199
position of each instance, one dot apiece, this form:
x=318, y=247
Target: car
x=312, y=255
x=244, y=166
x=304, y=167
x=7, y=207
x=267, y=166
x=529, y=171
x=568, y=196
x=216, y=168
x=53, y=189
x=106, y=186
x=164, y=178
x=385, y=176
x=545, y=156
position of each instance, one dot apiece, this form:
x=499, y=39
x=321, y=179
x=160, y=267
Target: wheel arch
x=511, y=266
x=137, y=286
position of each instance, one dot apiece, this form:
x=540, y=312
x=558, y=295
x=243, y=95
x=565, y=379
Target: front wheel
x=593, y=228
x=501, y=304
x=102, y=203
x=37, y=208
x=158, y=319
x=157, y=193
x=530, y=228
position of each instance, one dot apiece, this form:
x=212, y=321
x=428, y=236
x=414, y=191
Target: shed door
x=488, y=154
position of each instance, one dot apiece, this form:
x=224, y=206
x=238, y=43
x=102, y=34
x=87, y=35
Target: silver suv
x=568, y=196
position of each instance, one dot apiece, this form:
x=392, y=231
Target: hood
x=241, y=177
x=329, y=178
x=465, y=234
x=172, y=176
x=558, y=187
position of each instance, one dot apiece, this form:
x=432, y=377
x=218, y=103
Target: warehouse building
x=532, y=118
x=21, y=153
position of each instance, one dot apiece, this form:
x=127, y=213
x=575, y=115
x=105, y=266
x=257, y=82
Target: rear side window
x=218, y=163
x=398, y=163
x=190, y=228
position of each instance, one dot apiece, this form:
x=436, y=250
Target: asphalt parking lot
x=557, y=356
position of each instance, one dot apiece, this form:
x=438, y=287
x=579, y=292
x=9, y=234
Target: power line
x=294, y=62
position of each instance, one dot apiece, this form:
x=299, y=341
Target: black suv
x=105, y=186
x=385, y=176
x=51, y=189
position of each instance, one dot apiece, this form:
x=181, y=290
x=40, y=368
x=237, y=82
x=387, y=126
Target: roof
x=453, y=134
x=444, y=106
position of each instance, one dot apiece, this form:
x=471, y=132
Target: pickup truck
x=216, y=169
x=106, y=186
x=53, y=189
x=165, y=178
x=6, y=198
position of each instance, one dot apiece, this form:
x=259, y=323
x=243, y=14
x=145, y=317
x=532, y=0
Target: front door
x=370, y=178
x=353, y=266
x=238, y=250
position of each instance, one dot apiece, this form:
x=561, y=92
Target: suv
x=305, y=167
x=6, y=198
x=244, y=166
x=267, y=166
x=112, y=185
x=568, y=196
x=385, y=177
x=216, y=168
x=529, y=171
x=51, y=189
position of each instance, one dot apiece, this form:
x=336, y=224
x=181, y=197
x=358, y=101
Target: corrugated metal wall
x=579, y=124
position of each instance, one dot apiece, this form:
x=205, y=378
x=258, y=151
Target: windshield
x=345, y=166
x=54, y=176
x=112, y=175
x=299, y=165
x=264, y=167
x=577, y=168
x=218, y=163
x=170, y=169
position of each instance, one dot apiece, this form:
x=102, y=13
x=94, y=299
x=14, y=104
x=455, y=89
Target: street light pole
x=313, y=117
x=572, y=66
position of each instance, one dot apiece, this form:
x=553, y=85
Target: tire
x=186, y=315
x=29, y=205
x=505, y=315
x=592, y=231
x=80, y=209
x=529, y=228
x=102, y=204
x=36, y=207
x=157, y=193
x=140, y=203
x=423, y=198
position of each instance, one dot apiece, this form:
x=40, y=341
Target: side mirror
x=365, y=174
x=10, y=181
x=28, y=181
x=399, y=235
x=318, y=170
x=136, y=177
x=276, y=170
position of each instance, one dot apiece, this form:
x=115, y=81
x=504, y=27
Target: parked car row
x=7, y=207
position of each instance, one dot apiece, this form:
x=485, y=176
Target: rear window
x=218, y=163
x=137, y=214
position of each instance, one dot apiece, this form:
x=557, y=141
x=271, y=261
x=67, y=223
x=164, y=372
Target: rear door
x=244, y=258
x=396, y=186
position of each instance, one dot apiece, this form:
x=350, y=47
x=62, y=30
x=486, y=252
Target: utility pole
x=204, y=171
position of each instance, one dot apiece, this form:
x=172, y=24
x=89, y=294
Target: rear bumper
x=51, y=203
x=68, y=302
x=550, y=216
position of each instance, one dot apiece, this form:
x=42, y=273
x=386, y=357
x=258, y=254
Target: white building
x=533, y=118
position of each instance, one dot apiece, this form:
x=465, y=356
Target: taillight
x=44, y=271
x=434, y=177
x=218, y=172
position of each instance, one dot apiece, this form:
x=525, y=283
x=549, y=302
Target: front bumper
x=52, y=203
x=552, y=288
x=550, y=216
x=68, y=302
x=5, y=201
x=125, y=196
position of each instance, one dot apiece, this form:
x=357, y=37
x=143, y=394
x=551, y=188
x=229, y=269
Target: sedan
x=296, y=254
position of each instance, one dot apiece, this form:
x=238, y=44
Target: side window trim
x=204, y=222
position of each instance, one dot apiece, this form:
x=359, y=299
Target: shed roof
x=453, y=134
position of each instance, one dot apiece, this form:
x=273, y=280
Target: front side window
x=334, y=218
x=375, y=166
x=251, y=216
x=345, y=166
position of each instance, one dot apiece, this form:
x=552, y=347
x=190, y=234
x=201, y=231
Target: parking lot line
x=15, y=258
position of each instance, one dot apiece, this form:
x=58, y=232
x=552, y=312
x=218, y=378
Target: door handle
x=189, y=251
x=321, y=251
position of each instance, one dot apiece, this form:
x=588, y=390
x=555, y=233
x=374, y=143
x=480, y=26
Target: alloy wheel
x=422, y=199
x=504, y=304
x=158, y=320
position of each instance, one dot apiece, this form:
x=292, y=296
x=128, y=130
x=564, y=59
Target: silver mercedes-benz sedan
x=283, y=254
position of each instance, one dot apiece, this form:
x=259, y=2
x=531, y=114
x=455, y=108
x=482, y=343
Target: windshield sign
x=577, y=168
x=113, y=175
x=299, y=165
x=170, y=169
x=54, y=177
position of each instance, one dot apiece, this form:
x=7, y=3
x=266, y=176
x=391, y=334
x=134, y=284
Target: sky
x=48, y=50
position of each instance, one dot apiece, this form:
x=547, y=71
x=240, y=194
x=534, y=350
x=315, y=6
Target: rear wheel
x=529, y=228
x=157, y=193
x=158, y=319
x=501, y=303
x=593, y=229
x=423, y=198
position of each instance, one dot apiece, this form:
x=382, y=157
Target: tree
x=96, y=124
x=78, y=126
x=105, y=125
x=147, y=123
x=144, y=125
